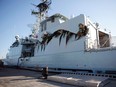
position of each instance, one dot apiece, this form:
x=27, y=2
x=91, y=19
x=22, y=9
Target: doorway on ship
x=28, y=50
x=104, y=40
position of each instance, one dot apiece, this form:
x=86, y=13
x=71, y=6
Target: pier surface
x=24, y=78
x=12, y=77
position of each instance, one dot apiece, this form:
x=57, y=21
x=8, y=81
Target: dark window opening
x=52, y=19
x=28, y=50
x=104, y=40
x=43, y=26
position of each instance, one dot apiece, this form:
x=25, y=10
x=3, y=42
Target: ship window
x=104, y=40
x=61, y=20
x=52, y=19
x=43, y=26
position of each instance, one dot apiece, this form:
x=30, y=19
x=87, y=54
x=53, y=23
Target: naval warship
x=64, y=44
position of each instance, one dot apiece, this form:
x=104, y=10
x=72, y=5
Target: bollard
x=45, y=72
x=1, y=64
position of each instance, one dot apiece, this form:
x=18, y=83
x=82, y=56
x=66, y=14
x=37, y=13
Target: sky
x=15, y=16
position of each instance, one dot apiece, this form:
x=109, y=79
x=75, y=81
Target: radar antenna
x=41, y=14
x=43, y=8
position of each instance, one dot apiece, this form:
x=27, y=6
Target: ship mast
x=41, y=14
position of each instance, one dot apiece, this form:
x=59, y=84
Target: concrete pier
x=83, y=81
x=24, y=78
x=10, y=77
